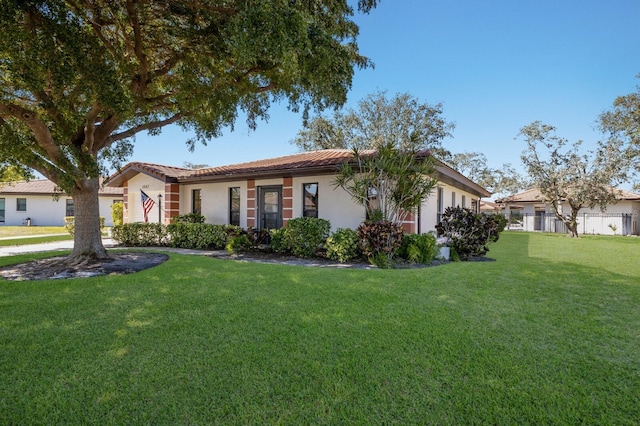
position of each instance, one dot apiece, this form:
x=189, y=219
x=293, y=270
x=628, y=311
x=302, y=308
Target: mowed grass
x=548, y=333
x=25, y=231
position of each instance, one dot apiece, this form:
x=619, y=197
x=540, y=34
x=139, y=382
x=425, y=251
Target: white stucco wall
x=590, y=220
x=152, y=187
x=429, y=208
x=335, y=205
x=215, y=200
x=44, y=210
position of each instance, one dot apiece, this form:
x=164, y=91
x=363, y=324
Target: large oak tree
x=79, y=78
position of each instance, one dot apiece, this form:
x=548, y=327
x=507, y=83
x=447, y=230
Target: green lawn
x=548, y=333
x=25, y=231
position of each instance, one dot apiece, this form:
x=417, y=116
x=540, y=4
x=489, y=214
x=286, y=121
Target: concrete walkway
x=52, y=246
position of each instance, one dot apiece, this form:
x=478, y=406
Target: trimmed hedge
x=199, y=236
x=303, y=236
x=140, y=234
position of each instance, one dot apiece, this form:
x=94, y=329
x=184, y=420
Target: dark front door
x=270, y=207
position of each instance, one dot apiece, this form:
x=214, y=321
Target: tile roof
x=321, y=161
x=534, y=195
x=45, y=186
x=159, y=171
x=328, y=158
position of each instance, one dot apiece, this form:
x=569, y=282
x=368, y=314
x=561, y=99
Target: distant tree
x=624, y=118
x=188, y=165
x=14, y=173
x=505, y=180
x=402, y=121
x=79, y=79
x=565, y=176
x=622, y=123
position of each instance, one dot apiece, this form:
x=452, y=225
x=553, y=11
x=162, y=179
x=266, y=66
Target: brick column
x=251, y=203
x=409, y=224
x=171, y=202
x=287, y=199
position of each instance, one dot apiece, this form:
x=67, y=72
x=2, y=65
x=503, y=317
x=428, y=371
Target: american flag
x=147, y=204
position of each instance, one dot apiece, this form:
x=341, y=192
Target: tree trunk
x=87, y=238
x=572, y=228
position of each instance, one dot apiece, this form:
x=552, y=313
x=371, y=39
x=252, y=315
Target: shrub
x=117, y=213
x=418, y=248
x=189, y=218
x=343, y=245
x=240, y=243
x=468, y=233
x=197, y=235
x=303, y=236
x=140, y=234
x=502, y=222
x=245, y=240
x=278, y=244
x=380, y=239
x=70, y=224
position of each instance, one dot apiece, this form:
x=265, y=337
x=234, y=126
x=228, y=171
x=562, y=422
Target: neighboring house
x=267, y=193
x=41, y=203
x=526, y=211
x=490, y=207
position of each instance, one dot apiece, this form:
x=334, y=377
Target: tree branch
x=136, y=129
x=39, y=129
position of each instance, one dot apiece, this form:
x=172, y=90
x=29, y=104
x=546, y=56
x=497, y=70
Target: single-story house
x=267, y=193
x=41, y=203
x=526, y=211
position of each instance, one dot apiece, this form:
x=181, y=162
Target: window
x=69, y=211
x=234, y=206
x=21, y=204
x=1, y=209
x=453, y=199
x=440, y=201
x=310, y=206
x=196, y=201
x=464, y=201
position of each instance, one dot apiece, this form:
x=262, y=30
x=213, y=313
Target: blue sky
x=495, y=65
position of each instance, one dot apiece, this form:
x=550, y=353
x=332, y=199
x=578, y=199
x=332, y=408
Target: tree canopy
x=565, y=175
x=622, y=123
x=474, y=165
x=79, y=79
x=402, y=120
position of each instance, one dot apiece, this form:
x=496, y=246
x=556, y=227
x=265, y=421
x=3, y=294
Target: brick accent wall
x=251, y=202
x=409, y=224
x=171, y=201
x=287, y=199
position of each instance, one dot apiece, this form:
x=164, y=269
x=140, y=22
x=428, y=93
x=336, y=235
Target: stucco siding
x=334, y=204
x=45, y=210
x=152, y=187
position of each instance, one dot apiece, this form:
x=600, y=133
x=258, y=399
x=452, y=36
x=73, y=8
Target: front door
x=270, y=207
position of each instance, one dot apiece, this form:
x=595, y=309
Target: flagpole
x=159, y=208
